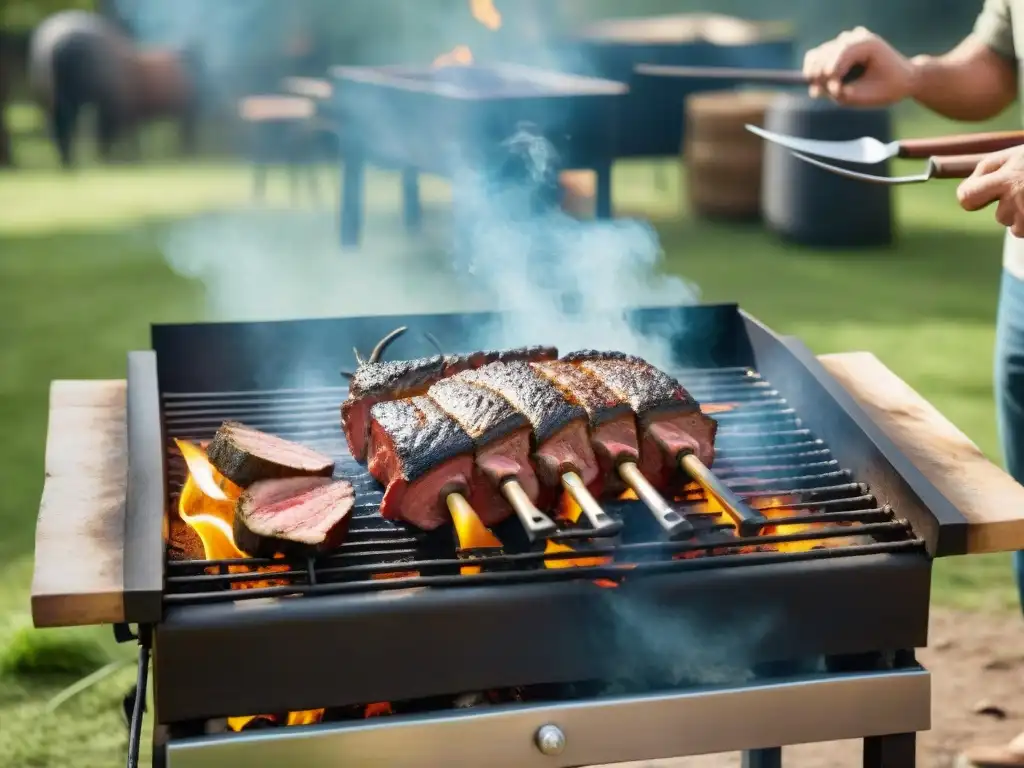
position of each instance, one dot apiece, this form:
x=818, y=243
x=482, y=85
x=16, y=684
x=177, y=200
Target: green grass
x=83, y=274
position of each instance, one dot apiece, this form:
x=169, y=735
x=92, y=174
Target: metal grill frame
x=205, y=656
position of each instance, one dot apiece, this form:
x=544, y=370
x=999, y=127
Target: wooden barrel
x=723, y=159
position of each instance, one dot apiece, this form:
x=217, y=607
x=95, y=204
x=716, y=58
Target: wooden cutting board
x=80, y=531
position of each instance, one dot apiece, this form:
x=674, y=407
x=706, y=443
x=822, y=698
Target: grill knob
x=550, y=740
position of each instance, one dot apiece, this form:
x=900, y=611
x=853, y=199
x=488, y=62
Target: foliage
x=36, y=653
x=21, y=15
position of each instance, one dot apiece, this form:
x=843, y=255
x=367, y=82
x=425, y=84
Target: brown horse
x=79, y=59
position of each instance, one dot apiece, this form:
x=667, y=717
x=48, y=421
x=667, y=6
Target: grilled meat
x=612, y=424
x=245, y=455
x=559, y=439
x=419, y=455
x=375, y=382
x=294, y=516
x=501, y=436
x=669, y=420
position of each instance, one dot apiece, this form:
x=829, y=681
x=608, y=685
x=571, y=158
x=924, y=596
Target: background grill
x=764, y=453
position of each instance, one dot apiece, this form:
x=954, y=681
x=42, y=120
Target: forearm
x=971, y=82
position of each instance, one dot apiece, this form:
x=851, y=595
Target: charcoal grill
x=454, y=120
x=713, y=644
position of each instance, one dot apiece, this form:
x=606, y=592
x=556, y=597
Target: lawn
x=88, y=261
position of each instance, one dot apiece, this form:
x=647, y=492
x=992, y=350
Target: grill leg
x=603, y=193
x=411, y=211
x=898, y=750
x=763, y=758
x=352, y=180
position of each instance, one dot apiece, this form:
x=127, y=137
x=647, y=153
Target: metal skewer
x=536, y=524
x=597, y=517
x=748, y=522
x=674, y=524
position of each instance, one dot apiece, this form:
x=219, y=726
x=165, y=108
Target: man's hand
x=999, y=176
x=888, y=77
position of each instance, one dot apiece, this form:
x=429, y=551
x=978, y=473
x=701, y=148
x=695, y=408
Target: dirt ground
x=976, y=661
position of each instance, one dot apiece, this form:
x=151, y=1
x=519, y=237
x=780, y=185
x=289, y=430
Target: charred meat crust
x=600, y=403
x=483, y=415
x=408, y=377
x=423, y=435
x=245, y=455
x=645, y=388
x=530, y=394
x=374, y=379
x=293, y=516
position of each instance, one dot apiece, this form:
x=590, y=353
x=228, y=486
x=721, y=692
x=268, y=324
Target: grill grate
x=764, y=454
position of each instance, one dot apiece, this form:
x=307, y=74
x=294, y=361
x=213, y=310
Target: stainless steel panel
x=709, y=720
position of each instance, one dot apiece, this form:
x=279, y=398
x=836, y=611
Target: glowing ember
x=606, y=583
x=395, y=575
x=378, y=709
x=304, y=717
x=552, y=548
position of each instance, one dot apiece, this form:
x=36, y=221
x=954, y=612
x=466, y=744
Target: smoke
x=677, y=645
x=510, y=247
x=568, y=282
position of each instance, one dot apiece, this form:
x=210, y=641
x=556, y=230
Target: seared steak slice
x=244, y=455
x=669, y=420
x=501, y=436
x=612, y=424
x=559, y=441
x=419, y=455
x=378, y=382
x=293, y=516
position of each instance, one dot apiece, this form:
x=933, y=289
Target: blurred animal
x=78, y=59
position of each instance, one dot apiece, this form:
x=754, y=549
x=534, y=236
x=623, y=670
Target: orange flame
x=471, y=533
x=551, y=547
x=303, y=717
x=207, y=504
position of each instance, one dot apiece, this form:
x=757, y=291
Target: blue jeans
x=1009, y=384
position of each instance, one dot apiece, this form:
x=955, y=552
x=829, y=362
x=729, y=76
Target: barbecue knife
x=869, y=151
x=750, y=75
x=952, y=167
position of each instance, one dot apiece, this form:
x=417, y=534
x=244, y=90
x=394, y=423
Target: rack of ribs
x=559, y=443
x=674, y=433
x=504, y=479
x=613, y=435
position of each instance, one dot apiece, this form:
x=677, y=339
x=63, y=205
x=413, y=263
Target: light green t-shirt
x=1000, y=26
x=997, y=23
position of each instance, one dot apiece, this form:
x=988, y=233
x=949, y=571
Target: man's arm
x=974, y=81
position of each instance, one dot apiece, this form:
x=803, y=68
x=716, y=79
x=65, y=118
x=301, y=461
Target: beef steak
x=293, y=516
x=245, y=455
